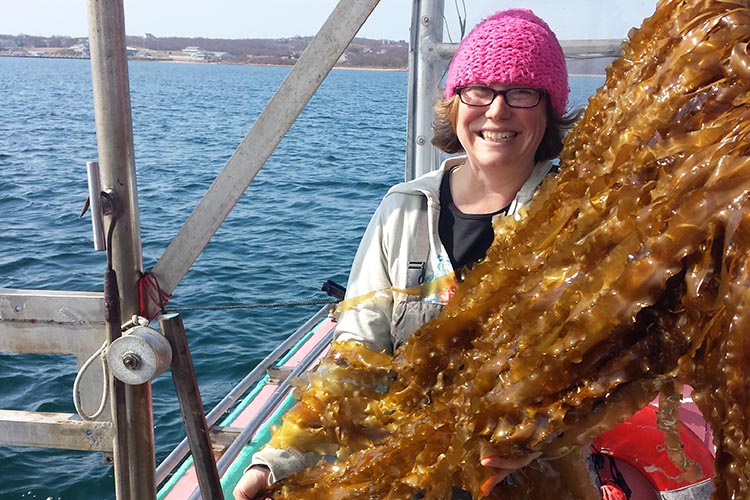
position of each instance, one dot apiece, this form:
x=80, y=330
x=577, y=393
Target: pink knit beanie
x=511, y=47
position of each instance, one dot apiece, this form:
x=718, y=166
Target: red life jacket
x=638, y=443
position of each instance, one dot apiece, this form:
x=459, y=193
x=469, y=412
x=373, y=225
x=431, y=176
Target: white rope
x=102, y=353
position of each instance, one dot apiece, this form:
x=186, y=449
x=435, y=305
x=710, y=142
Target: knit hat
x=511, y=47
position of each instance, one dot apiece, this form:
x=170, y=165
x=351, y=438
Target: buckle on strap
x=415, y=273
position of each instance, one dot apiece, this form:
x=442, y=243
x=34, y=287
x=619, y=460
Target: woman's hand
x=252, y=482
x=505, y=466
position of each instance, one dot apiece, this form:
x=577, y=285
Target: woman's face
x=498, y=136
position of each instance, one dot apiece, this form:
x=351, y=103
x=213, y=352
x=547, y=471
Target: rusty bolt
x=131, y=360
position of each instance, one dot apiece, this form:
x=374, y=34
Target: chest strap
x=418, y=256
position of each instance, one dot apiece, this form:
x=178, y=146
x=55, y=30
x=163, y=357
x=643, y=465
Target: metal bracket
x=95, y=201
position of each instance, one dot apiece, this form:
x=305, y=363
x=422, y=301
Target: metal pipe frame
x=116, y=158
x=424, y=82
x=131, y=405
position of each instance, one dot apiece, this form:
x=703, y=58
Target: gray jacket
x=391, y=246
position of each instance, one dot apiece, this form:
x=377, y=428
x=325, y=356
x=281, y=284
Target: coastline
x=195, y=61
x=227, y=63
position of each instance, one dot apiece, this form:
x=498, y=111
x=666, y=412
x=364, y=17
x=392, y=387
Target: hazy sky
x=570, y=19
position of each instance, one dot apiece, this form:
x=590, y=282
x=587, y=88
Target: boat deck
x=258, y=411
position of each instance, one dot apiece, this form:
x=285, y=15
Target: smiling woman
x=441, y=223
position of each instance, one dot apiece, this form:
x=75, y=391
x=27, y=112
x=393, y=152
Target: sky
x=570, y=19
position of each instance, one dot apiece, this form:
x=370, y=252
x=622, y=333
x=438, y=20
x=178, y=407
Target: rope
x=102, y=353
x=148, y=288
x=425, y=289
x=249, y=306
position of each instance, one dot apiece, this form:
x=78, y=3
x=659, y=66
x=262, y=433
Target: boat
x=121, y=321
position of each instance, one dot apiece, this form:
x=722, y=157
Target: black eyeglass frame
x=540, y=93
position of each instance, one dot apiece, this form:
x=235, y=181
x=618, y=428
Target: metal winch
x=140, y=355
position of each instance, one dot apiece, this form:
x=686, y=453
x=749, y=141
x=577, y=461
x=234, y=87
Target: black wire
x=111, y=228
x=462, y=21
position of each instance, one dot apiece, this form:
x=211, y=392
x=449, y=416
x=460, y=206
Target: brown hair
x=444, y=129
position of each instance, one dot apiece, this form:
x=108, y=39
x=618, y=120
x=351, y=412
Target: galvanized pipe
x=95, y=200
x=425, y=74
x=114, y=131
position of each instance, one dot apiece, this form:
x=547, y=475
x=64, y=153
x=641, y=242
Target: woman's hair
x=444, y=129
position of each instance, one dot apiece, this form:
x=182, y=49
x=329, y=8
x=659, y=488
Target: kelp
x=629, y=275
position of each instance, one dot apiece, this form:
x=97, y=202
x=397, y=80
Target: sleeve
x=369, y=321
x=283, y=463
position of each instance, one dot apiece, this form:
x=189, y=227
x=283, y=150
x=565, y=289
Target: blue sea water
x=297, y=225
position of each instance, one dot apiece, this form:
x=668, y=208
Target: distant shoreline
x=224, y=63
x=186, y=61
x=361, y=53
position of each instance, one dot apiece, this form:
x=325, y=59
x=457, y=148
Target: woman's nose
x=498, y=108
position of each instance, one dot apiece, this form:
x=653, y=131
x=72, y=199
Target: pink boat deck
x=187, y=484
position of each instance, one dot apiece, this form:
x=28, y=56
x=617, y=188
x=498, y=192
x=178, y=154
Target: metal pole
x=191, y=406
x=178, y=453
x=114, y=131
x=424, y=83
x=113, y=322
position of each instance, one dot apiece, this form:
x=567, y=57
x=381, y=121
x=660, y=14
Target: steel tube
x=114, y=132
x=95, y=201
x=424, y=83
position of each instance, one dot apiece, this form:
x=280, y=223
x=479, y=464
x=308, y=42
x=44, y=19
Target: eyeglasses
x=479, y=95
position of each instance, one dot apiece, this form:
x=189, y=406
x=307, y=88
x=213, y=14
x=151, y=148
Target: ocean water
x=297, y=225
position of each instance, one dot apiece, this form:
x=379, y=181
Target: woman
x=504, y=107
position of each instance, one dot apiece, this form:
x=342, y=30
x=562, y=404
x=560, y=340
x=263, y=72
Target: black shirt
x=466, y=237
